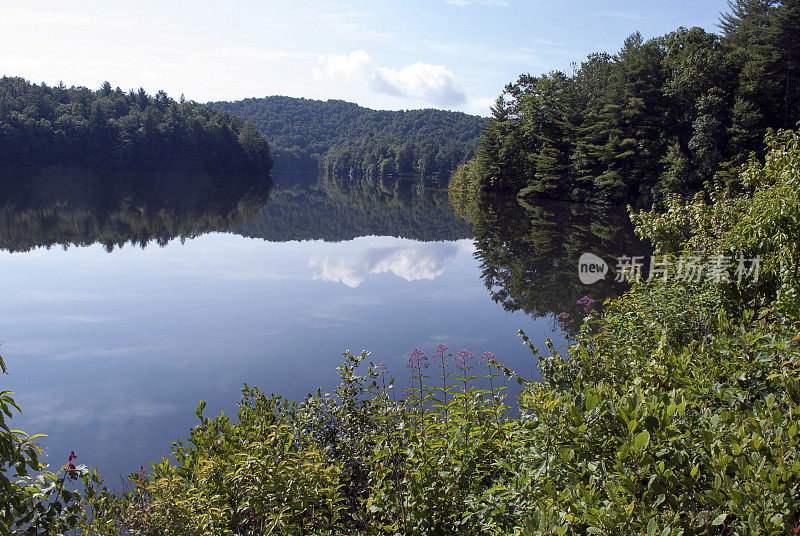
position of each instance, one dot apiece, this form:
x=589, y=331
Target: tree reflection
x=528, y=253
x=339, y=208
x=62, y=206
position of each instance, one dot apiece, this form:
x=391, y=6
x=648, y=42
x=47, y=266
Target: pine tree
x=786, y=57
x=747, y=21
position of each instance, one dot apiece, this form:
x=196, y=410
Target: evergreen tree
x=662, y=115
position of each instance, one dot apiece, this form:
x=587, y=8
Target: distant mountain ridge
x=334, y=135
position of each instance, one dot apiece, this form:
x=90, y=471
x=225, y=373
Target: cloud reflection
x=413, y=262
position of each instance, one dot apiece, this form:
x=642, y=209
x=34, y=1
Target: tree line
x=343, y=138
x=662, y=115
x=111, y=129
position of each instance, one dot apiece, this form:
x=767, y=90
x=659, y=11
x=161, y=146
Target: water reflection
x=113, y=366
x=110, y=347
x=412, y=262
x=308, y=207
x=68, y=207
x=528, y=252
x=64, y=206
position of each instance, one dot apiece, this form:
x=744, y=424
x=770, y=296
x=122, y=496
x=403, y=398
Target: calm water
x=110, y=348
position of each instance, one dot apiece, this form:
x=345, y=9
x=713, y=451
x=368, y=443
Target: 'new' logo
x=591, y=268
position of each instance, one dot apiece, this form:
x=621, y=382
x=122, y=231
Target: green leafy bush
x=354, y=461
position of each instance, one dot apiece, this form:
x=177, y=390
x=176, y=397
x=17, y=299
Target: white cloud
x=63, y=350
x=83, y=49
x=412, y=263
x=60, y=19
x=344, y=23
x=344, y=20
x=60, y=409
x=423, y=81
x=345, y=67
x=83, y=319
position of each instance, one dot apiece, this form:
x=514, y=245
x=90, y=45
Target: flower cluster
x=564, y=320
x=418, y=360
x=486, y=358
x=440, y=355
x=140, y=480
x=462, y=357
x=381, y=368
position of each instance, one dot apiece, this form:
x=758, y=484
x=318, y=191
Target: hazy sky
x=453, y=54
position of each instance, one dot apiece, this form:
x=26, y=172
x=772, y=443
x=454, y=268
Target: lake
x=124, y=306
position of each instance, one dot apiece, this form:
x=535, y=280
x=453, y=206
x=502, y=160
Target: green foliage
x=343, y=139
x=114, y=130
x=764, y=223
x=660, y=116
x=355, y=461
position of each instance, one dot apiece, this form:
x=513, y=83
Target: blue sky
x=452, y=54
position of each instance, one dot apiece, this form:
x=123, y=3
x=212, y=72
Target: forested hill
x=662, y=115
x=114, y=130
x=346, y=138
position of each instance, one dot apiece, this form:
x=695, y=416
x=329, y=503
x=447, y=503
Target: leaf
x=720, y=519
x=642, y=440
x=591, y=401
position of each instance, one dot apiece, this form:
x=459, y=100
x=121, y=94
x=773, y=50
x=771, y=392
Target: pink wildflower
x=418, y=360
x=463, y=356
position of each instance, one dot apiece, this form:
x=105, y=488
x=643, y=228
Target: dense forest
x=662, y=115
x=346, y=139
x=110, y=129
